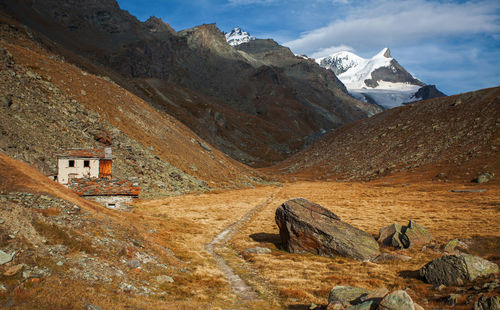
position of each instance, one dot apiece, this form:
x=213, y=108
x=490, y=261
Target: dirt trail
x=238, y=285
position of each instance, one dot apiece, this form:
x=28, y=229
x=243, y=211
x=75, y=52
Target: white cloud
x=331, y=50
x=391, y=22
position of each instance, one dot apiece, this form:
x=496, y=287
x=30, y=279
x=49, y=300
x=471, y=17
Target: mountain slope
x=380, y=79
x=455, y=136
x=237, y=102
x=48, y=105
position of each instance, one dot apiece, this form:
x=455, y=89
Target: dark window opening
x=71, y=163
x=86, y=163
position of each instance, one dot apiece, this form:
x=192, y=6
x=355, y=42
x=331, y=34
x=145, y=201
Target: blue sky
x=453, y=44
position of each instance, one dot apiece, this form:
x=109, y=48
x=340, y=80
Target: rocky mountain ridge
x=239, y=102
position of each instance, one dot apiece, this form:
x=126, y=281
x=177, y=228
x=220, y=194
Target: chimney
x=108, y=153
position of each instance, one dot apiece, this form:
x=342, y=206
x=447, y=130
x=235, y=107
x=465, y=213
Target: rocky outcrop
x=306, y=227
x=346, y=295
x=355, y=298
x=397, y=300
x=457, y=269
x=404, y=237
x=428, y=92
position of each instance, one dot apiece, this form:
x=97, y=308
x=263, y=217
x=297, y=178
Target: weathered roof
x=83, y=153
x=105, y=187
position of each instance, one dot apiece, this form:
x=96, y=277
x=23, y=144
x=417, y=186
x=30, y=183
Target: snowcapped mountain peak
x=237, y=37
x=385, y=52
x=380, y=79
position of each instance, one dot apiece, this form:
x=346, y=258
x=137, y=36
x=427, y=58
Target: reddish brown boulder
x=306, y=227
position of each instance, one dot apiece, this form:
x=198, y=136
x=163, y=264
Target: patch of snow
x=237, y=37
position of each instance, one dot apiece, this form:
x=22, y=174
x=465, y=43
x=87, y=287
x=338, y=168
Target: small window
x=86, y=163
x=71, y=163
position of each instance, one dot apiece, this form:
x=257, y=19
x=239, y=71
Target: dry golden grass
x=302, y=279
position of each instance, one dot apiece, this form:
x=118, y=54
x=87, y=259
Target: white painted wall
x=78, y=171
x=122, y=203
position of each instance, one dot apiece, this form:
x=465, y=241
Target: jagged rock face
x=306, y=227
x=257, y=96
x=394, y=73
x=429, y=92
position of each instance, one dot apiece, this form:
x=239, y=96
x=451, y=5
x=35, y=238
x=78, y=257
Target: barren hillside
x=48, y=105
x=451, y=137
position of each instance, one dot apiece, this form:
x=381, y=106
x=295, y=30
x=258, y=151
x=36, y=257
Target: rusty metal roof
x=105, y=187
x=82, y=153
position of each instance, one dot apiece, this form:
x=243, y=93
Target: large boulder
x=397, y=300
x=457, y=269
x=306, y=227
x=404, y=237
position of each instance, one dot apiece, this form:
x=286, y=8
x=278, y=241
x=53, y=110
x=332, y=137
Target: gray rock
x=91, y=307
x=367, y=305
x=484, y=303
x=5, y=258
x=258, y=250
x=162, y=279
x=397, y=300
x=484, y=177
x=134, y=263
x=415, y=235
x=346, y=295
x=306, y=227
x=403, y=237
x=456, y=269
x=453, y=245
x=386, y=234
x=386, y=257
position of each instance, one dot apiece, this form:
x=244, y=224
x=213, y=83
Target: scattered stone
x=452, y=299
x=5, y=258
x=308, y=227
x=457, y=268
x=452, y=246
x=484, y=303
x=83, y=92
x=403, y=237
x=484, y=177
x=91, y=307
x=134, y=263
x=468, y=190
x=346, y=295
x=397, y=300
x=204, y=146
x=386, y=235
x=13, y=270
x=59, y=263
x=2, y=221
x=3, y=288
x=386, y=257
x=439, y=287
x=258, y=250
x=415, y=235
x=164, y=279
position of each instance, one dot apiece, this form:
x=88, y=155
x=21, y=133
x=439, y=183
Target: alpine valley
x=146, y=167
